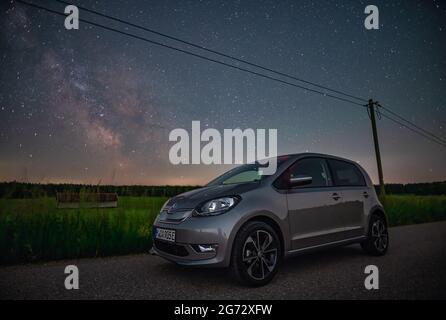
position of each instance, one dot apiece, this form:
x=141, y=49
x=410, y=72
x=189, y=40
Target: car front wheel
x=256, y=254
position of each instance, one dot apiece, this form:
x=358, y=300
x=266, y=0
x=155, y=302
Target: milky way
x=91, y=105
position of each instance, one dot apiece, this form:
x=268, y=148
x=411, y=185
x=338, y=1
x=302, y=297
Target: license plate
x=165, y=234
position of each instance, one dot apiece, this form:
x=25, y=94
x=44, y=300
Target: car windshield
x=244, y=174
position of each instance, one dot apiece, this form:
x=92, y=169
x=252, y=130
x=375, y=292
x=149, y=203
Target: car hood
x=191, y=199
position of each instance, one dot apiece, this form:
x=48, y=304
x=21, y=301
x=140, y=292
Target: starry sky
x=89, y=105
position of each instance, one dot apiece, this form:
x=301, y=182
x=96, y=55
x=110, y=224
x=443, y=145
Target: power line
x=413, y=124
x=195, y=54
x=213, y=51
x=414, y=130
x=408, y=125
x=249, y=63
x=420, y=130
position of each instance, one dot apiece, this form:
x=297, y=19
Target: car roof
x=312, y=154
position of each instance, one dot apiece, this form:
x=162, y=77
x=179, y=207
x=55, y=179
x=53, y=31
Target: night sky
x=91, y=105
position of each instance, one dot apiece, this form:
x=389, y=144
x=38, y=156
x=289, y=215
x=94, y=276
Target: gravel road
x=414, y=268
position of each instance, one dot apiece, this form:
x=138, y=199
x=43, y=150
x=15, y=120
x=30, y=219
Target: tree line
x=31, y=190
x=422, y=189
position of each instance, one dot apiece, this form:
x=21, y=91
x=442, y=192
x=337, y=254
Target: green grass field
x=35, y=230
x=411, y=209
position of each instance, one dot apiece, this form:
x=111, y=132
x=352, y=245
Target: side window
x=313, y=167
x=346, y=174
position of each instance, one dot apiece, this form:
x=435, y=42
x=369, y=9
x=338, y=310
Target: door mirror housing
x=300, y=181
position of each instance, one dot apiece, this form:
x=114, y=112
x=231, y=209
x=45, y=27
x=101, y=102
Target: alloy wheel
x=380, y=235
x=260, y=254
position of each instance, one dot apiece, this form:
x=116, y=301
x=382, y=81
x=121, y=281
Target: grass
x=412, y=209
x=34, y=229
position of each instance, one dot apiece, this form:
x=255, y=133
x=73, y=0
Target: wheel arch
x=269, y=221
x=377, y=211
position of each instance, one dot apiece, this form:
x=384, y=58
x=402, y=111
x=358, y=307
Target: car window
x=346, y=174
x=316, y=168
x=243, y=177
x=245, y=173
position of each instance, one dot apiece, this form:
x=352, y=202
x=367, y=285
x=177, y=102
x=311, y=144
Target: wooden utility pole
x=371, y=107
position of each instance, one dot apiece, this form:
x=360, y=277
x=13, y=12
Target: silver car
x=250, y=222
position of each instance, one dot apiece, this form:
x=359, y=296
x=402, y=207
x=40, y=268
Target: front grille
x=171, y=248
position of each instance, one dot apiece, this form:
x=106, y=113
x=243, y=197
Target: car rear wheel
x=256, y=254
x=377, y=241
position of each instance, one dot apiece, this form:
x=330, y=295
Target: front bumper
x=193, y=231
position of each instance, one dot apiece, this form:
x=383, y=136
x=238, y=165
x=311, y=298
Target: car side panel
x=372, y=203
x=314, y=216
x=354, y=213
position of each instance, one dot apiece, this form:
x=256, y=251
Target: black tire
x=250, y=267
x=377, y=242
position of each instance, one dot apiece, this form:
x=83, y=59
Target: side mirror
x=301, y=181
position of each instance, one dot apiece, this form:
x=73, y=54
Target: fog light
x=206, y=248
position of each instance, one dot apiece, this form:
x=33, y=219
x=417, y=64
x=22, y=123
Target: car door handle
x=336, y=196
x=365, y=194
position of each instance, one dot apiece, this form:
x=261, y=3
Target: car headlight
x=216, y=206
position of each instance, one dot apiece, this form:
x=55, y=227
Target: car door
x=314, y=210
x=350, y=182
